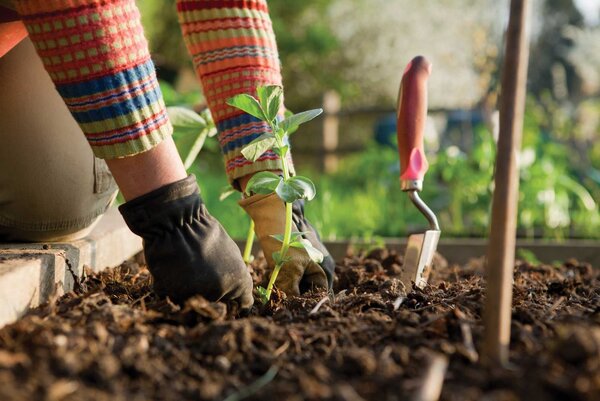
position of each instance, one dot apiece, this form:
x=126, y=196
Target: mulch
x=113, y=339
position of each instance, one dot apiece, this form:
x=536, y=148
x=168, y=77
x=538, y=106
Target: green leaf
x=263, y=182
x=276, y=257
x=262, y=294
x=296, y=188
x=270, y=100
x=313, y=253
x=190, y=132
x=186, y=120
x=282, y=151
x=287, y=113
x=278, y=237
x=295, y=234
x=292, y=123
x=280, y=132
x=257, y=147
x=287, y=192
x=248, y=104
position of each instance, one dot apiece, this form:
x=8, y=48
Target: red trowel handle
x=412, y=113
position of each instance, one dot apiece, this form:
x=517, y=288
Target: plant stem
x=287, y=234
x=272, y=279
x=249, y=242
x=195, y=149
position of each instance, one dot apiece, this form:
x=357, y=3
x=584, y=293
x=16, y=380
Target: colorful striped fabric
x=97, y=55
x=233, y=49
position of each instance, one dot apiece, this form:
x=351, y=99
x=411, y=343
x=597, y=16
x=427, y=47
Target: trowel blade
x=418, y=257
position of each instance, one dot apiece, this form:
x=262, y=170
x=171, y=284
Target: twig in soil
x=318, y=305
x=341, y=294
x=61, y=390
x=294, y=336
x=142, y=301
x=467, y=336
x=431, y=388
x=254, y=387
x=398, y=302
x=347, y=392
x=281, y=349
x=556, y=304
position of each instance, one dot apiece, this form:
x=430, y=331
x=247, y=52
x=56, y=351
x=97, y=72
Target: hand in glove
x=188, y=252
x=300, y=273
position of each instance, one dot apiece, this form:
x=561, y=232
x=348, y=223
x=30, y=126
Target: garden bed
x=112, y=339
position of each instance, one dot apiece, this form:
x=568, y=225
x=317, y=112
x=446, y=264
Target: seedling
x=187, y=124
x=266, y=107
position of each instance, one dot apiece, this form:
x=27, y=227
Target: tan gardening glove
x=300, y=274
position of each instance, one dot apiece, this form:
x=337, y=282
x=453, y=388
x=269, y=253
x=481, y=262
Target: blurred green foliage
x=162, y=30
x=556, y=200
x=308, y=51
x=363, y=200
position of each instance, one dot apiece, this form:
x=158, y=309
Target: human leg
x=98, y=58
x=51, y=186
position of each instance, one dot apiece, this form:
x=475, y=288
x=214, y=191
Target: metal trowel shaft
x=412, y=115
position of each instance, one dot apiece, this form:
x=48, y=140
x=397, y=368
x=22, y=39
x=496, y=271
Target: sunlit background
x=356, y=50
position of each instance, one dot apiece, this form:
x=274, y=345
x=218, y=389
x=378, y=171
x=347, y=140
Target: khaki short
x=51, y=186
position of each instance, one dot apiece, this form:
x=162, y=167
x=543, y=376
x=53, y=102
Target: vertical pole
x=331, y=123
x=501, y=247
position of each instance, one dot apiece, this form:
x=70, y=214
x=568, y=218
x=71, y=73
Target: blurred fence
x=343, y=131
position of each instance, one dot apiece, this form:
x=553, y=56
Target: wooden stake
x=331, y=106
x=501, y=248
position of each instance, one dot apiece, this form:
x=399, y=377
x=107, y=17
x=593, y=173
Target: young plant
x=266, y=107
x=190, y=131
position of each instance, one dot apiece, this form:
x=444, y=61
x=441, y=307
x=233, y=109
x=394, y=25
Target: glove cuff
x=267, y=212
x=168, y=205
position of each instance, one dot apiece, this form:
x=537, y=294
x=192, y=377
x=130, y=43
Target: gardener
x=53, y=187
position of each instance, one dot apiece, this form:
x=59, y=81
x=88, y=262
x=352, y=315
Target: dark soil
x=113, y=339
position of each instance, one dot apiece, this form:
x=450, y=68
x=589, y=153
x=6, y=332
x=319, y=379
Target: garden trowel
x=412, y=113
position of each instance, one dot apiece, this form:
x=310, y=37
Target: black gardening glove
x=187, y=251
